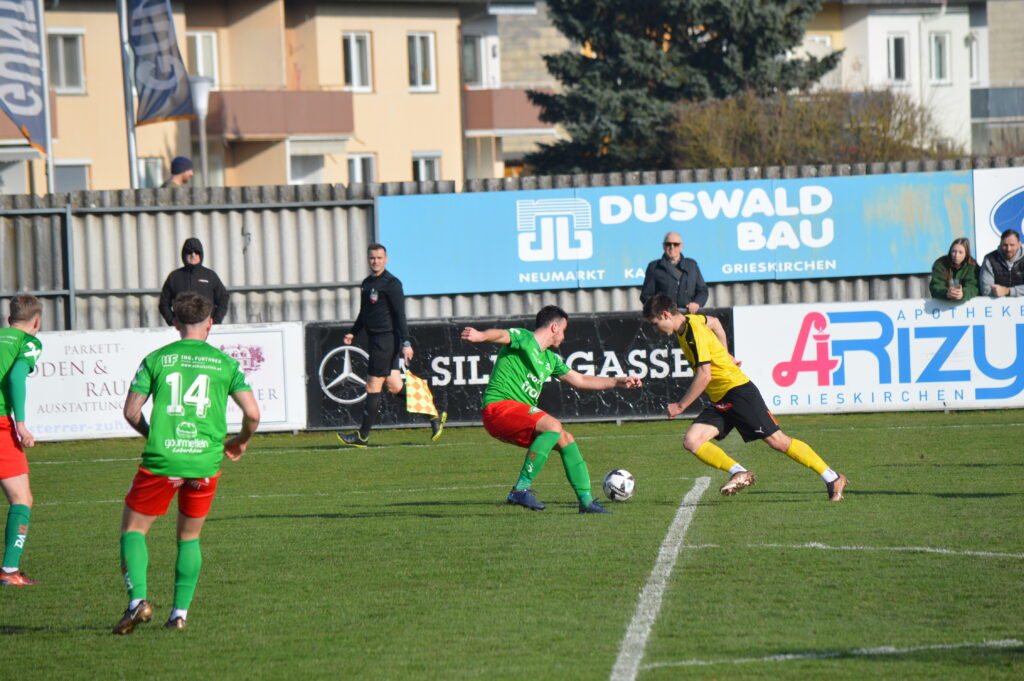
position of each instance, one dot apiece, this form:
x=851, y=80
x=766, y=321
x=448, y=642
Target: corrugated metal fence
x=99, y=259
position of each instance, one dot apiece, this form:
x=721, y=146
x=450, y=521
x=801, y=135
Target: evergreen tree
x=640, y=58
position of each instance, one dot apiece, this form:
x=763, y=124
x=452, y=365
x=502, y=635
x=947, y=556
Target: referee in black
x=382, y=315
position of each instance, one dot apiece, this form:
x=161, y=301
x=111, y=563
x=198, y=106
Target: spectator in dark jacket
x=1002, y=271
x=677, y=277
x=194, y=277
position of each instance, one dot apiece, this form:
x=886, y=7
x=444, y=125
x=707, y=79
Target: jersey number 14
x=197, y=395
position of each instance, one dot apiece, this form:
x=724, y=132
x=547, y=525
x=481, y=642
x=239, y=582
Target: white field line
x=631, y=650
x=858, y=652
x=903, y=549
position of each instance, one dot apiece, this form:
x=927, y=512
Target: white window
x=71, y=176
x=974, y=57
x=202, y=55
x=472, y=61
x=897, y=52
x=362, y=168
x=305, y=169
x=151, y=171
x=938, y=57
x=355, y=47
x=426, y=165
x=66, y=67
x=421, y=62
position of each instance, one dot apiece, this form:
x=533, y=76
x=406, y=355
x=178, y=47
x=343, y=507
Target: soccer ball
x=619, y=484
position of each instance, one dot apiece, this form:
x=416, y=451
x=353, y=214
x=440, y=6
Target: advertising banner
x=737, y=231
x=21, y=71
x=80, y=383
x=457, y=371
x=998, y=206
x=884, y=356
x=161, y=78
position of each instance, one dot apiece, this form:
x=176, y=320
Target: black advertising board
x=609, y=344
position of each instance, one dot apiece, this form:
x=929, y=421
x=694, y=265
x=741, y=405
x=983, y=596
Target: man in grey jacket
x=674, y=276
x=1002, y=272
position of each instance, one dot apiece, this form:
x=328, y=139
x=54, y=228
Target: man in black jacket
x=194, y=277
x=382, y=316
x=674, y=276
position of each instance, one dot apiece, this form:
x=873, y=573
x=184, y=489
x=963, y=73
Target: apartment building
x=303, y=91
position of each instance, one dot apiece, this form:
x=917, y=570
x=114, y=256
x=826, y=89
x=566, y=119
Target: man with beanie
x=182, y=171
x=193, y=277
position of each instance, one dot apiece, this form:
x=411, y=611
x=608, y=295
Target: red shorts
x=13, y=461
x=151, y=494
x=512, y=422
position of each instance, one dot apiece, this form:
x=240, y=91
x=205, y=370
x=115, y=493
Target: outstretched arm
x=498, y=336
x=587, y=382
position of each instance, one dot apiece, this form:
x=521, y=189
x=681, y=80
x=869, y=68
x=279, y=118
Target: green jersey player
x=510, y=410
x=19, y=351
x=190, y=382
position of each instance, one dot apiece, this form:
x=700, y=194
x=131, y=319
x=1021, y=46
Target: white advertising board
x=884, y=356
x=998, y=206
x=78, y=388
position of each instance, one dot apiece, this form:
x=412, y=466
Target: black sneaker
x=353, y=439
x=594, y=508
x=143, y=612
x=437, y=426
x=175, y=623
x=525, y=498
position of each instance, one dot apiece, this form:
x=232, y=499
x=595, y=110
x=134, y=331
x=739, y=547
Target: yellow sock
x=712, y=455
x=801, y=452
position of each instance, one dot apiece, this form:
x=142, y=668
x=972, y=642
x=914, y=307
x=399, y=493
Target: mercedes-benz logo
x=341, y=374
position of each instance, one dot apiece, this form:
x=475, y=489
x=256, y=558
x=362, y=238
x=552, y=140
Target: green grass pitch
x=402, y=561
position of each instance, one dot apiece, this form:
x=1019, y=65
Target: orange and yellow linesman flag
x=418, y=398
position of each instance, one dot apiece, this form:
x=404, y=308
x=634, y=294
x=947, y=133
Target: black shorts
x=384, y=354
x=741, y=408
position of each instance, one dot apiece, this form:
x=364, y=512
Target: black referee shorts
x=384, y=354
x=741, y=408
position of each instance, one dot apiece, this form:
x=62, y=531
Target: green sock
x=536, y=455
x=17, y=533
x=186, y=572
x=577, y=473
x=134, y=563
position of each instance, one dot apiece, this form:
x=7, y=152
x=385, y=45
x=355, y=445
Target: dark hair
x=947, y=260
x=657, y=304
x=191, y=308
x=549, y=314
x=1009, y=232
x=376, y=247
x=24, y=307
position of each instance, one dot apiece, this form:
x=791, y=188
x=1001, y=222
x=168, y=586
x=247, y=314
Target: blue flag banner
x=161, y=78
x=21, y=70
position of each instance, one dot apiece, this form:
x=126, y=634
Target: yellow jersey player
x=735, y=400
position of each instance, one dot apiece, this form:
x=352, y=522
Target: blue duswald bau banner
x=737, y=231
x=21, y=70
x=161, y=78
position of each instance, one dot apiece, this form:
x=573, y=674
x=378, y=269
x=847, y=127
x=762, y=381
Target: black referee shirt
x=382, y=307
